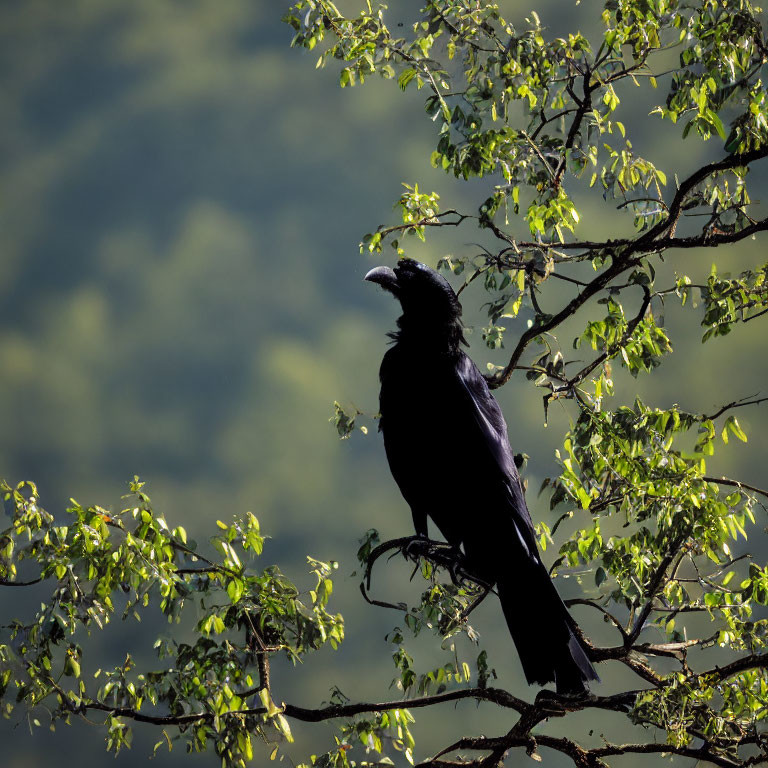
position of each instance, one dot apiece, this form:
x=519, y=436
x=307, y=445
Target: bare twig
x=735, y=404
x=9, y=583
x=592, y=604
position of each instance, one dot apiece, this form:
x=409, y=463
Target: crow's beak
x=385, y=277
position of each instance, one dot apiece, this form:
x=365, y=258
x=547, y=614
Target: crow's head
x=424, y=295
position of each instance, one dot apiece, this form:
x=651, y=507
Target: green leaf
x=732, y=423
x=715, y=120
x=406, y=76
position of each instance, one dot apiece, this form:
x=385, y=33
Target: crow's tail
x=544, y=631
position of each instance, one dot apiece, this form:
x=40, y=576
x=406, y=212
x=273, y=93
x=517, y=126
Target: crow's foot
x=418, y=547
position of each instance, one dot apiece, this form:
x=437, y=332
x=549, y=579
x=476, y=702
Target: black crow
x=447, y=446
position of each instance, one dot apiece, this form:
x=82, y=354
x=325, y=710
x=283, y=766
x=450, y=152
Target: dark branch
x=734, y=404
x=686, y=186
x=702, y=753
x=592, y=604
x=7, y=583
x=632, y=325
x=332, y=712
x=656, y=584
x=626, y=253
x=735, y=484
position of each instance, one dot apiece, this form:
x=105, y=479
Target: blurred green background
x=181, y=201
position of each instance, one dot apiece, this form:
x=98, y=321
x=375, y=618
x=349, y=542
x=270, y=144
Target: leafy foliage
x=213, y=689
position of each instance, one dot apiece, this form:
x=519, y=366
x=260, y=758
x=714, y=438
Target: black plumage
x=447, y=446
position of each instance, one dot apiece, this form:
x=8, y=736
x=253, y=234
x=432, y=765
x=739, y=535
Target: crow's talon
x=416, y=548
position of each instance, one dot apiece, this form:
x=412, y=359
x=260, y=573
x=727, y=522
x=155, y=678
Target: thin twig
x=735, y=404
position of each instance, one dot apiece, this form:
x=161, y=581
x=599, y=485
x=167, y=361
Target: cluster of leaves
x=661, y=545
x=380, y=733
x=728, y=301
x=344, y=420
x=726, y=43
x=213, y=690
x=496, y=78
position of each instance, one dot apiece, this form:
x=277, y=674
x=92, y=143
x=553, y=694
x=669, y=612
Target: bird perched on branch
x=447, y=446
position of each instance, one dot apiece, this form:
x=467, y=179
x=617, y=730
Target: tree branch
x=734, y=404
x=632, y=325
x=676, y=206
x=735, y=484
x=592, y=604
x=591, y=289
x=625, y=253
x=334, y=711
x=702, y=753
x=656, y=583
x=584, y=106
x=7, y=583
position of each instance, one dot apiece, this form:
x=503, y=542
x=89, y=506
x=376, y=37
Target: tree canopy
x=542, y=128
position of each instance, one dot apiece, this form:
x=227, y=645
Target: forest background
x=181, y=201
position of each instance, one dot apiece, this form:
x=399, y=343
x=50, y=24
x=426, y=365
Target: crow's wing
x=492, y=429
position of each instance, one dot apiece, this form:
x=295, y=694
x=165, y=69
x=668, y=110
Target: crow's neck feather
x=446, y=337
